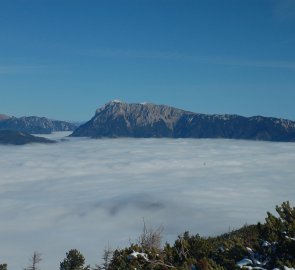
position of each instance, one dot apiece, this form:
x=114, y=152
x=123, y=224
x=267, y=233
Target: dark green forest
x=268, y=245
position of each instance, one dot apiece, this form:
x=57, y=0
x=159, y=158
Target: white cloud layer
x=88, y=194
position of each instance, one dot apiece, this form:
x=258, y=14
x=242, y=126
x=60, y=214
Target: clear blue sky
x=64, y=58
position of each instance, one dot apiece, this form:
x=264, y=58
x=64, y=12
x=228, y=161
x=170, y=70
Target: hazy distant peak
x=4, y=117
x=34, y=124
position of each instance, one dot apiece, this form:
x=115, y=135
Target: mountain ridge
x=34, y=124
x=20, y=138
x=145, y=120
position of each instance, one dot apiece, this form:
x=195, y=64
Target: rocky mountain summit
x=20, y=138
x=144, y=120
x=34, y=124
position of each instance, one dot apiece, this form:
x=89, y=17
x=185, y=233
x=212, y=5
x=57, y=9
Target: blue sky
x=64, y=58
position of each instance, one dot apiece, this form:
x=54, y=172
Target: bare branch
x=151, y=238
x=34, y=261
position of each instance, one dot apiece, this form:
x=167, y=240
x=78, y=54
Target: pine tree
x=281, y=232
x=3, y=266
x=74, y=261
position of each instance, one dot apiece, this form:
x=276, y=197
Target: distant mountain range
x=145, y=120
x=34, y=124
x=20, y=138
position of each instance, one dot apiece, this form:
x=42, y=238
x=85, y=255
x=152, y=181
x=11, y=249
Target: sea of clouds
x=88, y=194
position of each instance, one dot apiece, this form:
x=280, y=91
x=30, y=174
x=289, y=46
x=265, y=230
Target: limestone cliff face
x=118, y=119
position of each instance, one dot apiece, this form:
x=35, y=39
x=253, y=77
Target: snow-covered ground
x=88, y=194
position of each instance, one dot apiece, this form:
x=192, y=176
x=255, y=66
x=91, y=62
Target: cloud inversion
x=86, y=194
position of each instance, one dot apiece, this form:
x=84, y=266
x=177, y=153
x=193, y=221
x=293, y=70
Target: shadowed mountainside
x=20, y=138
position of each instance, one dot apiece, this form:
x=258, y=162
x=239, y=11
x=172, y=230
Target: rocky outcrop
x=20, y=138
x=119, y=119
x=35, y=125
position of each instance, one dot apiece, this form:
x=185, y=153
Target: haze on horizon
x=63, y=59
